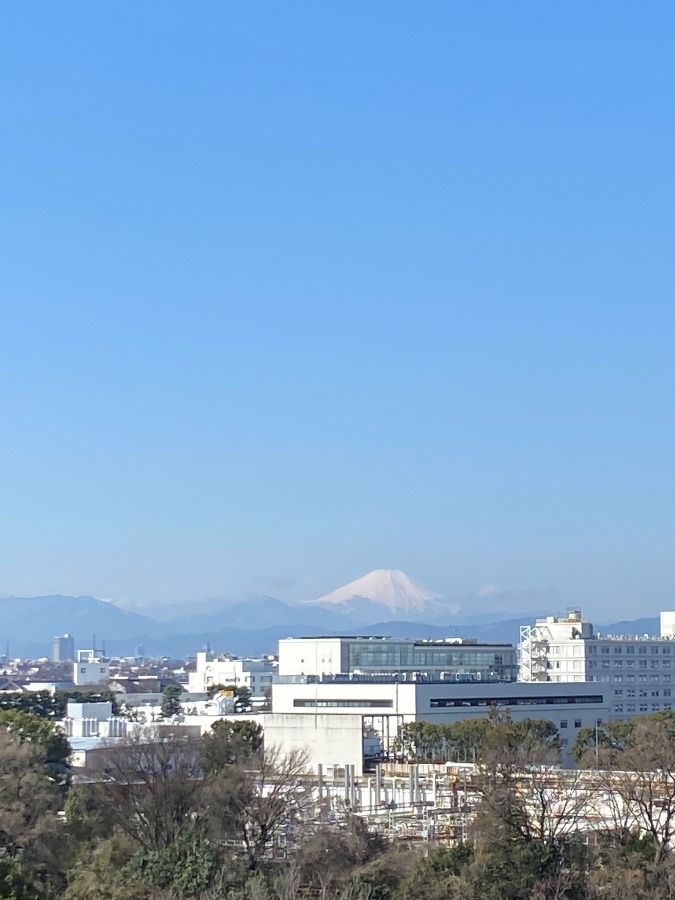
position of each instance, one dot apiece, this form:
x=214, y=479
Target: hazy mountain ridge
x=389, y=603
x=262, y=640
x=47, y=616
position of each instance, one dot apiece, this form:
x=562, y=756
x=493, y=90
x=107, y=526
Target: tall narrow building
x=64, y=648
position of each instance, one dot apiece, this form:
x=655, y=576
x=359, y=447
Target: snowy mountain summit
x=391, y=590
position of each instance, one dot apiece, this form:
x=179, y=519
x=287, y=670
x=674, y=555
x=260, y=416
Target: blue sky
x=292, y=290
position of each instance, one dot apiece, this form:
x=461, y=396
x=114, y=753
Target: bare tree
x=329, y=853
x=608, y=808
x=287, y=884
x=525, y=792
x=153, y=786
x=253, y=804
x=646, y=784
x=355, y=892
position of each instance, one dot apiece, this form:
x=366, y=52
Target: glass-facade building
x=434, y=658
x=450, y=659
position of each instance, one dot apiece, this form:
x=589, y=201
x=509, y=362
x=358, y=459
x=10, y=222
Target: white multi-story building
x=636, y=672
x=390, y=682
x=452, y=658
x=90, y=669
x=254, y=674
x=305, y=704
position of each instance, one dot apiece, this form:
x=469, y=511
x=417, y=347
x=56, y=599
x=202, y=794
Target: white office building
x=254, y=674
x=636, y=672
x=90, y=668
x=305, y=706
x=451, y=659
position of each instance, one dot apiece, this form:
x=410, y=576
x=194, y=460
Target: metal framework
x=533, y=654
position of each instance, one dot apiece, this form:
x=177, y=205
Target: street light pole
x=597, y=745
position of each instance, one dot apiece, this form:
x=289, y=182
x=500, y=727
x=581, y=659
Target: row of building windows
x=631, y=650
x=641, y=707
x=631, y=679
x=393, y=654
x=577, y=665
x=590, y=649
x=630, y=664
x=436, y=703
x=368, y=704
x=643, y=692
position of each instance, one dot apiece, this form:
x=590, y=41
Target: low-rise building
x=384, y=704
x=255, y=674
x=90, y=669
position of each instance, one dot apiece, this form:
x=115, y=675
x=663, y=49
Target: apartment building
x=635, y=672
x=254, y=674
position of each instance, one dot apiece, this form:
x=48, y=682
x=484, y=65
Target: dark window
x=370, y=704
x=534, y=700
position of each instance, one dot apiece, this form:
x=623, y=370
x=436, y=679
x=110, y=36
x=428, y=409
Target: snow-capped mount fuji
x=383, y=594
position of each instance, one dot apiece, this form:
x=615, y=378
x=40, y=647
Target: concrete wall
x=364, y=698
x=319, y=656
x=99, y=710
x=331, y=740
x=667, y=623
x=444, y=703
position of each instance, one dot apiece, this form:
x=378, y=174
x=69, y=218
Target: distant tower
x=64, y=648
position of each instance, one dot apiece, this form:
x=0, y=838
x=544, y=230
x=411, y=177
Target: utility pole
x=597, y=745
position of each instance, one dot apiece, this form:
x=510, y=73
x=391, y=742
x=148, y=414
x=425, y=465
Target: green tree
x=36, y=729
x=53, y=706
x=243, y=699
x=87, y=818
x=189, y=867
x=171, y=701
x=98, y=871
x=29, y=801
x=438, y=876
x=465, y=741
x=607, y=740
x=40, y=703
x=231, y=743
x=16, y=882
x=504, y=871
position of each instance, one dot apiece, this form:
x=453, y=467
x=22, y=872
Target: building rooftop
x=387, y=678
x=417, y=642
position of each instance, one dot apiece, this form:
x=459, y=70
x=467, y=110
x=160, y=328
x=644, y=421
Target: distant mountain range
x=383, y=602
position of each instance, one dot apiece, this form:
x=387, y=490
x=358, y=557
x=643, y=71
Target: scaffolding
x=533, y=654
